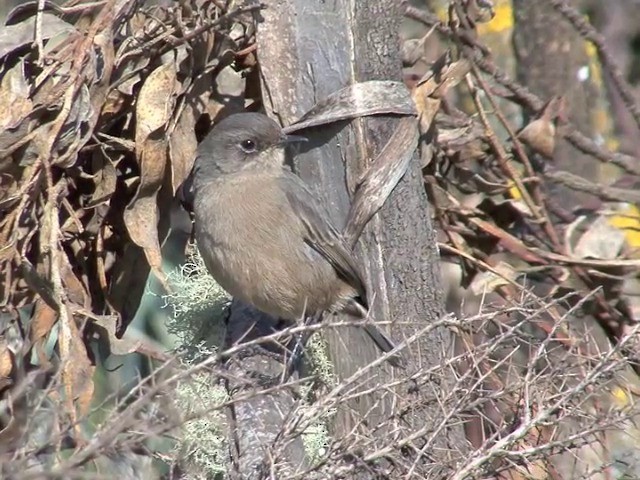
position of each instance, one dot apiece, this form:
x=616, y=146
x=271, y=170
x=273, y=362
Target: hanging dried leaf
x=156, y=102
x=153, y=112
x=74, y=131
x=128, y=280
x=76, y=369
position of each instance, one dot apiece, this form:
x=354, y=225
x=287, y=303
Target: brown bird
x=263, y=235
x=540, y=134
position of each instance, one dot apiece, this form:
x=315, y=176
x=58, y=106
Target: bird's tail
x=381, y=339
x=385, y=344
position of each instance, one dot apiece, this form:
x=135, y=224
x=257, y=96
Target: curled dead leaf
x=373, y=97
x=183, y=142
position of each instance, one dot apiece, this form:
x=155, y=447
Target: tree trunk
x=306, y=51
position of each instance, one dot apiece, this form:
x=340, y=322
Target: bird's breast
x=253, y=245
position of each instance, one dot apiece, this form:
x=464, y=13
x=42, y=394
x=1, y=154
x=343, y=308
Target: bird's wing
x=320, y=233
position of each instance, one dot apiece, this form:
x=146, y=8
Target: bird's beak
x=292, y=139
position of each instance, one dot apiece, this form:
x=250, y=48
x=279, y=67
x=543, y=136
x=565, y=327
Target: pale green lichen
x=203, y=448
x=316, y=441
x=316, y=436
x=198, y=307
x=321, y=366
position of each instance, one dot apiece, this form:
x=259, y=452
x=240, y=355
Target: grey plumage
x=263, y=235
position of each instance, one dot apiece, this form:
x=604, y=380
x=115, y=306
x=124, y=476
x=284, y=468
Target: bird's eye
x=249, y=146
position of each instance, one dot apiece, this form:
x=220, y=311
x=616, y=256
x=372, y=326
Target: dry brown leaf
x=6, y=361
x=43, y=320
x=13, y=37
x=600, y=241
x=155, y=102
x=12, y=139
x=76, y=370
x=87, y=101
x=74, y=288
x=14, y=97
x=373, y=97
x=183, y=143
x=75, y=130
x=429, y=92
x=153, y=112
x=182, y=148
x=105, y=179
x=115, y=103
x=103, y=45
x=540, y=136
x=130, y=74
x=141, y=216
x=127, y=284
x=444, y=75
